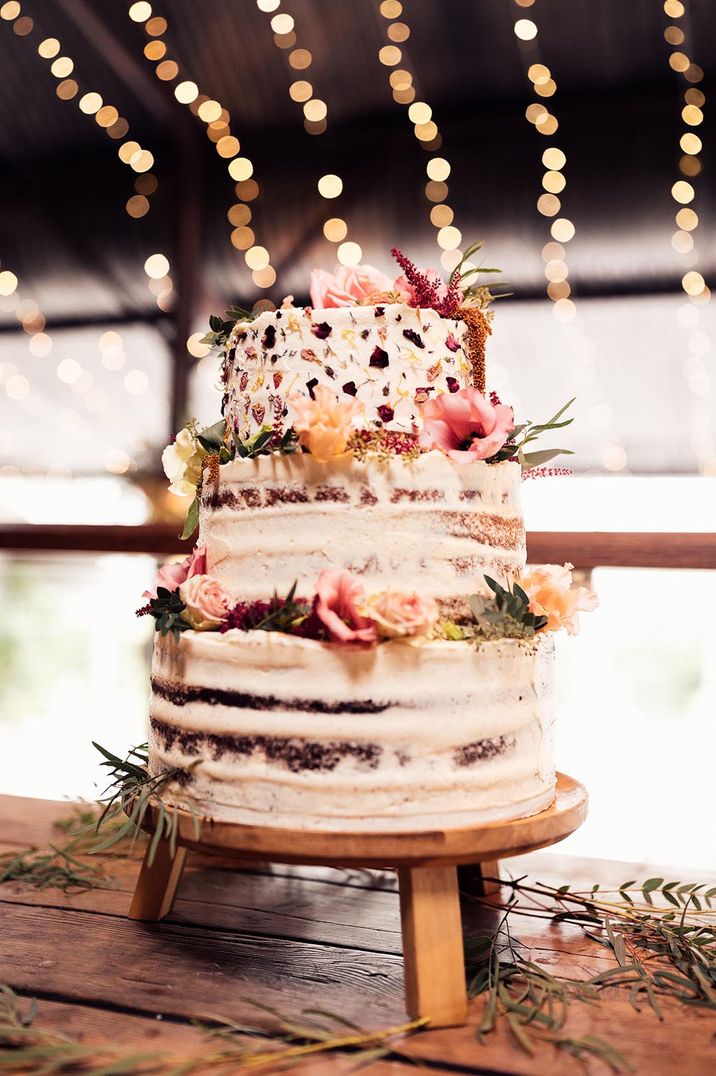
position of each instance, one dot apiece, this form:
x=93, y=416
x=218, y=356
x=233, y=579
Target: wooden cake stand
x=427, y=876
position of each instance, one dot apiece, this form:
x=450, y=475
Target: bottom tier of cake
x=273, y=730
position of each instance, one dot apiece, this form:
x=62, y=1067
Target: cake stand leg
x=157, y=883
x=471, y=878
x=432, y=945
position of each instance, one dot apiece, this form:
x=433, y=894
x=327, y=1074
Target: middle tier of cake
x=427, y=524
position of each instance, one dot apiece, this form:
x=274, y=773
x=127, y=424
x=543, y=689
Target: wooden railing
x=585, y=549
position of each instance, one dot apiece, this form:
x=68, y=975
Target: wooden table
x=290, y=938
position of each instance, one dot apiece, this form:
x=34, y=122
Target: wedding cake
x=355, y=643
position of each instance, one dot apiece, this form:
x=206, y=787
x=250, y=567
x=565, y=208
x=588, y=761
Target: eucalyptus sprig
x=527, y=432
x=506, y=615
x=658, y=953
x=129, y=796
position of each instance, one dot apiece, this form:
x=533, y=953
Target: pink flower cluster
x=171, y=576
x=362, y=284
x=465, y=425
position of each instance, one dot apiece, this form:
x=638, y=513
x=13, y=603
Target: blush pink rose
x=465, y=425
x=207, y=602
x=549, y=588
x=173, y=575
x=348, y=286
x=397, y=614
x=338, y=600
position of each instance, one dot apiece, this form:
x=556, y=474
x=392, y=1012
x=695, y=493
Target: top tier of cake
x=390, y=358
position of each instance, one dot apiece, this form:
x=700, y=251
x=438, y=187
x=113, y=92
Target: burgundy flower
x=415, y=338
x=379, y=358
x=322, y=330
x=386, y=412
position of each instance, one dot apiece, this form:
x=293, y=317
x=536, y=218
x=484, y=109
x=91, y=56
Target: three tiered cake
x=354, y=644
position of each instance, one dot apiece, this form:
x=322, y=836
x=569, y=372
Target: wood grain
x=432, y=945
x=191, y=971
x=421, y=849
x=157, y=883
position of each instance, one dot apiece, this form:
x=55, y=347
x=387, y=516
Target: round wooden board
x=497, y=840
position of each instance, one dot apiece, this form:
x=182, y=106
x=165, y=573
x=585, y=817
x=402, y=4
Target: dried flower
x=325, y=422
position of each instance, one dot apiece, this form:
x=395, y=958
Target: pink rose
x=396, y=614
x=207, y=602
x=173, y=575
x=549, y=588
x=338, y=598
x=465, y=425
x=348, y=286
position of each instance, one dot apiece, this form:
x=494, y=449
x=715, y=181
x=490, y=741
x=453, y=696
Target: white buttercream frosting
x=384, y=356
x=429, y=524
x=276, y=730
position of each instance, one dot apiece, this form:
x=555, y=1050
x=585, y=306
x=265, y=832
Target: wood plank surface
x=291, y=937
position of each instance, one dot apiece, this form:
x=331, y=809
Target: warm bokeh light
x=257, y=257
x=140, y=11
x=525, y=30
x=186, y=92
x=48, y=48
x=156, y=266
x=8, y=282
x=682, y=192
x=335, y=229
x=349, y=254
x=554, y=158
x=330, y=186
x=241, y=169
x=562, y=230
x=687, y=219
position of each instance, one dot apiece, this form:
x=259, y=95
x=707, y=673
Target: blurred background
x=162, y=161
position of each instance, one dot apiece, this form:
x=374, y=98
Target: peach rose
x=397, y=614
x=173, y=575
x=549, y=588
x=465, y=425
x=325, y=422
x=338, y=600
x=348, y=286
x=207, y=602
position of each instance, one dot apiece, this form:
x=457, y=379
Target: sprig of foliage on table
x=659, y=953
x=129, y=796
x=225, y=1046
x=505, y=615
x=526, y=433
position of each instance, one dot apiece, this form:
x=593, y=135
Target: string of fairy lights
x=684, y=239
x=315, y=120
x=425, y=129
x=69, y=371
x=554, y=182
x=219, y=131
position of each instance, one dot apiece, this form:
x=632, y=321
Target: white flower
x=182, y=462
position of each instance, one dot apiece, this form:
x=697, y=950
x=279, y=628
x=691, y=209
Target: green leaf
x=192, y=520
x=651, y=884
x=538, y=459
